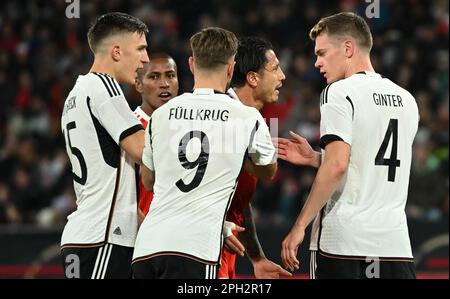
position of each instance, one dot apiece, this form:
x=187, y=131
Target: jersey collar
x=371, y=74
x=206, y=91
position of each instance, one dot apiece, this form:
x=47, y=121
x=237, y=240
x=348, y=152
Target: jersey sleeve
x=261, y=149
x=147, y=156
x=117, y=118
x=111, y=109
x=337, y=112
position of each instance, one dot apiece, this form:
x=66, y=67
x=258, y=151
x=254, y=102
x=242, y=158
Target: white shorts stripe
x=97, y=261
x=207, y=272
x=313, y=265
x=107, y=261
x=102, y=262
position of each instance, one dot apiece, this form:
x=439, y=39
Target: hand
x=266, y=269
x=231, y=243
x=296, y=151
x=290, y=246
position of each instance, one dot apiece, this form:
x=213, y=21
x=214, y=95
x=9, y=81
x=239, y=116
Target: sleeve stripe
x=113, y=85
x=252, y=134
x=110, y=84
x=327, y=139
x=105, y=84
x=130, y=131
x=324, y=95
x=353, y=107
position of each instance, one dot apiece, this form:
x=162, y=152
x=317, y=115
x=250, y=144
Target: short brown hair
x=345, y=24
x=213, y=47
x=112, y=23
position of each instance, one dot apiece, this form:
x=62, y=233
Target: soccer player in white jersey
x=192, y=158
x=367, y=128
x=104, y=141
x=157, y=82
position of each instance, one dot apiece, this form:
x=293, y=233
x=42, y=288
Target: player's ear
x=115, y=52
x=230, y=70
x=138, y=85
x=251, y=79
x=191, y=64
x=349, y=47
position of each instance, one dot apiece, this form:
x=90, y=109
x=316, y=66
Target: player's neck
x=208, y=80
x=147, y=108
x=245, y=94
x=101, y=65
x=359, y=65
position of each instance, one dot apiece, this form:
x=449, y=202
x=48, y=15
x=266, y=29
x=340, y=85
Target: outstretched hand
x=266, y=269
x=231, y=243
x=296, y=151
x=289, y=248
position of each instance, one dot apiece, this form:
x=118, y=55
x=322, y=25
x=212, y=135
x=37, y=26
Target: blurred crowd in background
x=42, y=52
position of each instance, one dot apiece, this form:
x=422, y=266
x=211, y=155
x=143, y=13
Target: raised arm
x=331, y=172
x=297, y=151
x=262, y=267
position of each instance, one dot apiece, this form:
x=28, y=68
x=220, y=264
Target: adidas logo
x=117, y=231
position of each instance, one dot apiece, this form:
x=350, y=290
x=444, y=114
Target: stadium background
x=42, y=52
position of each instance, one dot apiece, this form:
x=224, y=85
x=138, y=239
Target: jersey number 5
x=77, y=153
x=392, y=162
x=201, y=162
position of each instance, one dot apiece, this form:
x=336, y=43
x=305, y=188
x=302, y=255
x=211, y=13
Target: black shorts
x=172, y=267
x=104, y=261
x=323, y=267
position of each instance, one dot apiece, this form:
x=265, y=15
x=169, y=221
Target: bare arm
x=134, y=145
x=148, y=177
x=329, y=175
x=266, y=172
x=262, y=267
x=249, y=237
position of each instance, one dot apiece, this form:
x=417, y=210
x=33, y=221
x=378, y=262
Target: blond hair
x=213, y=47
x=344, y=24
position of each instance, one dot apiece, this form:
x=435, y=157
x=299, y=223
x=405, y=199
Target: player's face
x=160, y=83
x=330, y=58
x=271, y=80
x=134, y=56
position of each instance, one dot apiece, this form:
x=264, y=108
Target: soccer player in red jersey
x=157, y=82
x=256, y=80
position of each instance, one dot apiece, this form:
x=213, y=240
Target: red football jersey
x=245, y=189
x=145, y=196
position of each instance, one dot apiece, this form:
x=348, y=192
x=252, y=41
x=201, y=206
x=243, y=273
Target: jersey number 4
x=201, y=162
x=392, y=162
x=77, y=153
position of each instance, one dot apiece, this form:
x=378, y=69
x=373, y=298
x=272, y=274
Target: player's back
x=369, y=205
x=95, y=119
x=199, y=141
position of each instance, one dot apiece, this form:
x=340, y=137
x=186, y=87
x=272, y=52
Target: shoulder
x=334, y=92
x=101, y=85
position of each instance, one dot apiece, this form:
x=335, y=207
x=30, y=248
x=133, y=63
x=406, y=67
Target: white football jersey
x=96, y=117
x=366, y=215
x=196, y=145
